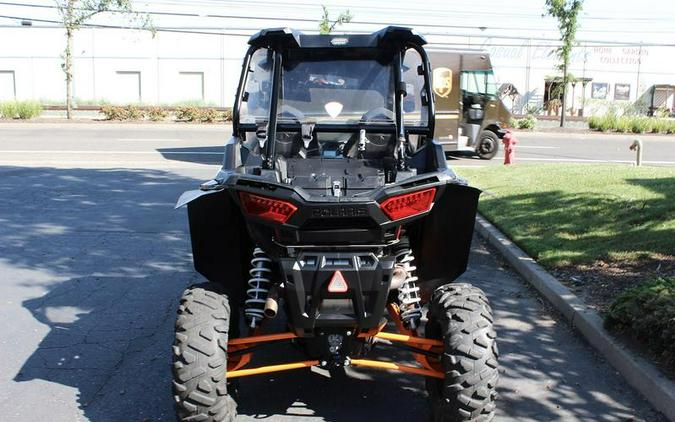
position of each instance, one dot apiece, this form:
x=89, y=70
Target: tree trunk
x=564, y=94
x=68, y=69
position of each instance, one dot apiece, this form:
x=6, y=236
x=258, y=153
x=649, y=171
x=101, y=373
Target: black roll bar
x=270, y=143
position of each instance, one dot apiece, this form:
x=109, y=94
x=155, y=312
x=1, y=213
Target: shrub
x=156, y=114
x=660, y=126
x=593, y=122
x=608, y=122
x=8, y=110
x=662, y=112
x=114, y=112
x=227, y=115
x=623, y=124
x=611, y=121
x=20, y=109
x=209, y=115
x=647, y=312
x=188, y=113
x=133, y=113
x=28, y=109
x=527, y=123
x=640, y=124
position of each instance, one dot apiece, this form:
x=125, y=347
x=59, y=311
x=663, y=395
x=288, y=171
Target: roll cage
x=396, y=41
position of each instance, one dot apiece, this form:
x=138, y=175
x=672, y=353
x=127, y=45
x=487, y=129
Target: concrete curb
x=639, y=373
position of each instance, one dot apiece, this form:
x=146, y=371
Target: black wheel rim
x=486, y=146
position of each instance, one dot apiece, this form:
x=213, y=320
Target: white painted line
x=150, y=139
x=535, y=147
x=114, y=152
x=588, y=160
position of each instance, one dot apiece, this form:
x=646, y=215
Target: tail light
x=408, y=204
x=268, y=208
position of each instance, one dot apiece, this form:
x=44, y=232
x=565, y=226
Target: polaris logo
x=340, y=211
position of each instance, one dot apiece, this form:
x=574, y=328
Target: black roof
x=290, y=38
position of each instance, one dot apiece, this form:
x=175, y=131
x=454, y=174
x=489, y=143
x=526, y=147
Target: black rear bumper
x=311, y=305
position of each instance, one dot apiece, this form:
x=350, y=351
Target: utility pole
x=564, y=94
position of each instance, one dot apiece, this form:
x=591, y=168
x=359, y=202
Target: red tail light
x=268, y=208
x=408, y=204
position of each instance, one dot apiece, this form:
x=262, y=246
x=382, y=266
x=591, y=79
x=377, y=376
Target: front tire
x=461, y=316
x=200, y=356
x=488, y=145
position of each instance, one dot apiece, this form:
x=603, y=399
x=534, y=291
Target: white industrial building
x=131, y=66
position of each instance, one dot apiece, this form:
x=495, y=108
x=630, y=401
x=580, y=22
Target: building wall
x=177, y=67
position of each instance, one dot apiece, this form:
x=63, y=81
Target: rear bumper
x=312, y=306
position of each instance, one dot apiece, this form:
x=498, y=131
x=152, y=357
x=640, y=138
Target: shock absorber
x=408, y=293
x=258, y=286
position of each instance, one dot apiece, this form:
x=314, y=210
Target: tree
x=565, y=11
x=74, y=14
x=325, y=24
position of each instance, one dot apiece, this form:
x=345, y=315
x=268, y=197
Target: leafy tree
x=565, y=11
x=325, y=24
x=74, y=14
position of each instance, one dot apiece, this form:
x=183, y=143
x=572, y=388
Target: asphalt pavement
x=171, y=145
x=93, y=259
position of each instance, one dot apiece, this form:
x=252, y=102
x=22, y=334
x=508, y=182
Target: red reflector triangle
x=338, y=284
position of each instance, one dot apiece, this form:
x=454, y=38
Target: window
x=190, y=86
x=414, y=113
x=479, y=82
x=256, y=102
x=7, y=85
x=127, y=87
x=337, y=91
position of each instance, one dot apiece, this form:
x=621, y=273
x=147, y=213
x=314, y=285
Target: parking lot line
x=112, y=152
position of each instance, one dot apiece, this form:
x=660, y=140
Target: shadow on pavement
x=99, y=258
x=111, y=257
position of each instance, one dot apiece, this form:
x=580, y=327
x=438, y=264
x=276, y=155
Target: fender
x=442, y=241
x=221, y=246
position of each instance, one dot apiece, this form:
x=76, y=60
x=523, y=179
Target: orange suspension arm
x=271, y=368
x=377, y=364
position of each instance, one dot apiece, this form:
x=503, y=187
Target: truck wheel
x=488, y=145
x=200, y=356
x=461, y=316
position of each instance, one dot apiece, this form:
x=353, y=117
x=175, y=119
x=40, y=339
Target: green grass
x=573, y=214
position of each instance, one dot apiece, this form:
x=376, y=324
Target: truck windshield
x=337, y=92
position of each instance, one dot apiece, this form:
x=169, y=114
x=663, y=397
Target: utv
x=334, y=205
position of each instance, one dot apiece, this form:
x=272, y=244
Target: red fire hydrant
x=509, y=140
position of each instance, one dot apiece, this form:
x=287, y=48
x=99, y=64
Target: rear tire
x=200, y=356
x=488, y=145
x=461, y=316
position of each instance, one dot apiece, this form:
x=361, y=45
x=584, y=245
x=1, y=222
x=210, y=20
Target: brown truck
x=469, y=114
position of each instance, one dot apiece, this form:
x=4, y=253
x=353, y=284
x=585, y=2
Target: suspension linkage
x=412, y=349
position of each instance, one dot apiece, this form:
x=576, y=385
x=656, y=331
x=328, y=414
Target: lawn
x=564, y=214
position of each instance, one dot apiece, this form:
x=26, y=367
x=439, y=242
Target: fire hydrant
x=509, y=140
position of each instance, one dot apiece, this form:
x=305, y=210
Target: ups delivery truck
x=470, y=116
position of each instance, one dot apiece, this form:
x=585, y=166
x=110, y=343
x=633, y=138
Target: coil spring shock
x=408, y=293
x=258, y=286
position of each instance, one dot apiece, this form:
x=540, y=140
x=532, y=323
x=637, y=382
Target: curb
x=640, y=374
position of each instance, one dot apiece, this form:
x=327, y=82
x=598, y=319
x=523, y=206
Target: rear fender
x=441, y=242
x=221, y=246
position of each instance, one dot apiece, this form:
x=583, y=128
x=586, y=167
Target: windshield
x=337, y=91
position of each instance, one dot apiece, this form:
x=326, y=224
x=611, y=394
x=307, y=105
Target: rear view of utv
x=335, y=211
